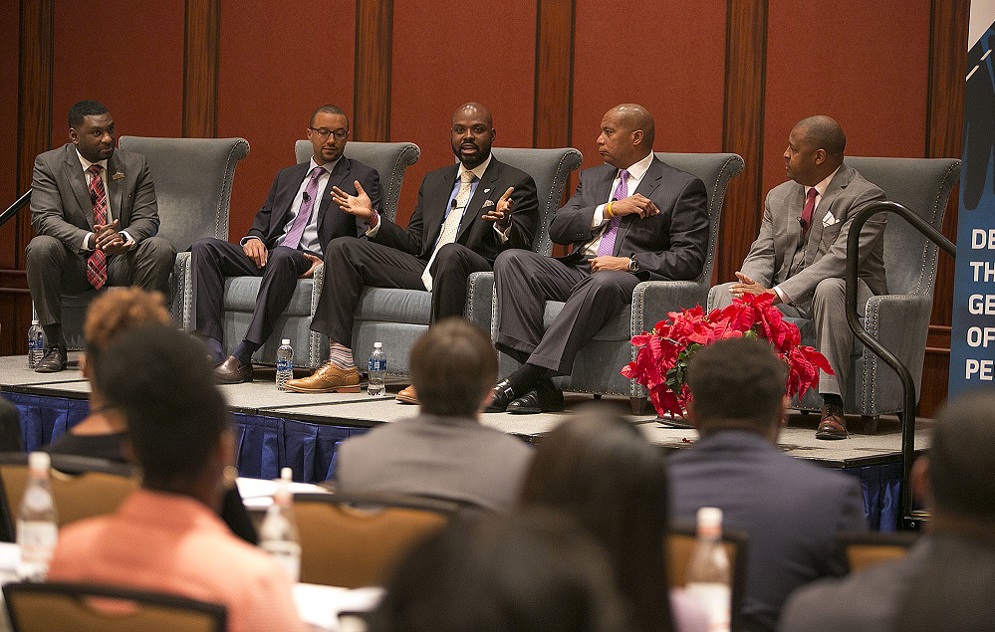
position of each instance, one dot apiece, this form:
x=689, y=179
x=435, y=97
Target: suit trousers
x=526, y=280
x=353, y=264
x=827, y=311
x=212, y=260
x=54, y=270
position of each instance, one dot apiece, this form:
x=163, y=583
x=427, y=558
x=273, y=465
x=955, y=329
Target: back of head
x=453, y=368
x=159, y=377
x=738, y=382
x=962, y=456
x=535, y=571
x=600, y=469
x=116, y=311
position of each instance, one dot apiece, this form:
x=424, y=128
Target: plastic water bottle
x=377, y=370
x=36, y=344
x=284, y=364
x=708, y=571
x=278, y=533
x=37, y=521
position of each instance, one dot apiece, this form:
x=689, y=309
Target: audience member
x=95, y=217
x=800, y=254
x=947, y=580
x=288, y=237
x=792, y=511
x=166, y=536
x=466, y=215
x=533, y=572
x=599, y=468
x=444, y=452
x=632, y=219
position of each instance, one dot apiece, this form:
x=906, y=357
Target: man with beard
x=466, y=215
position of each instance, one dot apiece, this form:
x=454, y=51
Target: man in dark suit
x=95, y=218
x=632, y=219
x=792, y=511
x=286, y=242
x=466, y=215
x=800, y=254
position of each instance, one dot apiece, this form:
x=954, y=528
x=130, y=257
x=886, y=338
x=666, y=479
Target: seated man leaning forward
x=286, y=242
x=466, y=215
x=800, y=254
x=444, y=452
x=633, y=219
x=95, y=218
x=166, y=536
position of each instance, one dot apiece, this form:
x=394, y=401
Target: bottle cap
x=286, y=474
x=285, y=341
x=39, y=461
x=34, y=321
x=378, y=345
x=710, y=517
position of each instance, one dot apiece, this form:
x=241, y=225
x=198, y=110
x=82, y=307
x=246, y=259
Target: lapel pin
x=487, y=190
x=117, y=176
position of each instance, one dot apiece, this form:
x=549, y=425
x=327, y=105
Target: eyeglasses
x=324, y=132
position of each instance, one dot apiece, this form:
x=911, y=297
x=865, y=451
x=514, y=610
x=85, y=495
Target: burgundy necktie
x=607, y=245
x=806, y=218
x=96, y=263
x=293, y=238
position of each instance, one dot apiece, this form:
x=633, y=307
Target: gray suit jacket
x=443, y=457
x=771, y=255
x=791, y=510
x=61, y=205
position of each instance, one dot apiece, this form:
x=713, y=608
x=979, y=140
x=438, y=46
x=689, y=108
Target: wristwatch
x=633, y=265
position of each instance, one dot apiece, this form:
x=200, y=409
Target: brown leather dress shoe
x=231, y=371
x=327, y=379
x=833, y=424
x=407, y=395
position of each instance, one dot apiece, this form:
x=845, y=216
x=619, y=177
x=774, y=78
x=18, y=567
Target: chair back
x=389, y=159
x=550, y=169
x=81, y=487
x=868, y=548
x=921, y=185
x=355, y=541
x=193, y=179
x=68, y=607
x=681, y=541
x=715, y=170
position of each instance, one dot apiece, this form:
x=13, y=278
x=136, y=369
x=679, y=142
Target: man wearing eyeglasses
x=287, y=241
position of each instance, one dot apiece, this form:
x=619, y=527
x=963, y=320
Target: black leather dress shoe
x=503, y=395
x=231, y=371
x=54, y=360
x=544, y=398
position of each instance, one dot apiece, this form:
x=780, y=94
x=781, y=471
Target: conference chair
x=680, y=543
x=71, y=607
x=867, y=548
x=81, y=486
x=354, y=541
x=596, y=368
x=193, y=179
x=398, y=317
x=390, y=160
x=899, y=319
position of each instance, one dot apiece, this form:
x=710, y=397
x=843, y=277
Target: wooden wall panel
x=9, y=70
x=275, y=68
x=200, y=68
x=554, y=73
x=486, y=53
x=374, y=33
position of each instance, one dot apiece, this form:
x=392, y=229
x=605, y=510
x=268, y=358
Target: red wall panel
x=275, y=68
x=9, y=39
x=484, y=52
x=669, y=58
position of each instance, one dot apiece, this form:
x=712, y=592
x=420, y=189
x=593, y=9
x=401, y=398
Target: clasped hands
x=746, y=285
x=107, y=238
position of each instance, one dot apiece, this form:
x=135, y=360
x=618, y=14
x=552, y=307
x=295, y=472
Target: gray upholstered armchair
x=390, y=160
x=398, y=317
x=193, y=178
x=596, y=368
x=899, y=319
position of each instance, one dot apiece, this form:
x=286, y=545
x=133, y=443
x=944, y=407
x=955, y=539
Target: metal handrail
x=12, y=210
x=853, y=320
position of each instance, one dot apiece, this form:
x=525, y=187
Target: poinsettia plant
x=664, y=353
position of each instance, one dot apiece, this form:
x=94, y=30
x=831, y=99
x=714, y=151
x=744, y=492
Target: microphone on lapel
x=307, y=198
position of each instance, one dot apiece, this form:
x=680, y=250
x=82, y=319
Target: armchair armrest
x=480, y=303
x=653, y=300
x=182, y=305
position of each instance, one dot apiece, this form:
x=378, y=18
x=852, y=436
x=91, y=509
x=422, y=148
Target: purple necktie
x=607, y=245
x=293, y=238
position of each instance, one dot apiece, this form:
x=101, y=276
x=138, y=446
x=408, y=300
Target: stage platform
x=281, y=429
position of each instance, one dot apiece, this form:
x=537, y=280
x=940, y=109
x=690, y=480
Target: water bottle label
x=284, y=365
x=378, y=364
x=287, y=555
x=37, y=540
x=37, y=499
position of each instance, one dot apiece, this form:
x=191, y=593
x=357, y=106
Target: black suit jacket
x=477, y=234
x=669, y=246
x=333, y=222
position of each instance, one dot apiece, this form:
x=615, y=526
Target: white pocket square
x=830, y=219
x=487, y=204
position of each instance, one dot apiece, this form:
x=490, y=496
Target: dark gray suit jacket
x=791, y=510
x=60, y=200
x=668, y=246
